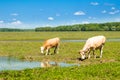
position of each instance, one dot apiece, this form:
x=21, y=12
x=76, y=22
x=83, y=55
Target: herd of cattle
x=92, y=44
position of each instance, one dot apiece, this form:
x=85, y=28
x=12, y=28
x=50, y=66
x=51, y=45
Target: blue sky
x=40, y=13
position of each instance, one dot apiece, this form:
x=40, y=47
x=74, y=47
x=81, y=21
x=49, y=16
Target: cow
x=92, y=44
x=50, y=43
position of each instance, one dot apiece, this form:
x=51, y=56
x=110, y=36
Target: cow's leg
x=56, y=49
x=101, y=51
x=89, y=54
x=47, y=51
x=94, y=53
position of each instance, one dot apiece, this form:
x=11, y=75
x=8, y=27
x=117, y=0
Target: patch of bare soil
x=94, y=61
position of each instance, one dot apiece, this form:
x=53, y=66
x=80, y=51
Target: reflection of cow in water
x=50, y=43
x=92, y=44
x=48, y=64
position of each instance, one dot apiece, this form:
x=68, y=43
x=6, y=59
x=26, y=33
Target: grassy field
x=104, y=71
x=106, y=68
x=62, y=35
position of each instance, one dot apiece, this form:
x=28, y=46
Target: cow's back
x=97, y=41
x=52, y=42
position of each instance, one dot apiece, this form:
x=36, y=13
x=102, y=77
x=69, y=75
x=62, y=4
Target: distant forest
x=15, y=30
x=111, y=26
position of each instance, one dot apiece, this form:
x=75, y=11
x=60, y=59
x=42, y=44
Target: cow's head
x=42, y=49
x=82, y=53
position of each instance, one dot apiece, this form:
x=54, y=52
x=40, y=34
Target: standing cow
x=50, y=43
x=92, y=44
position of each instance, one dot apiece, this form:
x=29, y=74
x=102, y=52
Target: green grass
x=68, y=51
x=105, y=71
x=106, y=68
x=62, y=35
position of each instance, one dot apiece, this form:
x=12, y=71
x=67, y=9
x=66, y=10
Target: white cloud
x=14, y=14
x=50, y=18
x=47, y=25
x=16, y=22
x=1, y=21
x=79, y=13
x=85, y=22
x=104, y=11
x=94, y=3
x=113, y=8
x=114, y=12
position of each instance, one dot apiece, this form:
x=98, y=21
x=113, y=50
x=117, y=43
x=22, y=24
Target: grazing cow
x=93, y=44
x=50, y=43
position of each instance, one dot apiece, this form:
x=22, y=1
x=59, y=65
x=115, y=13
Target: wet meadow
x=26, y=46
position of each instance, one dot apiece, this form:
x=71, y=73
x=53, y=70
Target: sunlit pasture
x=29, y=49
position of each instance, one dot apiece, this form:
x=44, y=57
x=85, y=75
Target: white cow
x=50, y=43
x=92, y=44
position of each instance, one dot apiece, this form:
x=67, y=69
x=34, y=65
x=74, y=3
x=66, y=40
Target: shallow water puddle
x=8, y=63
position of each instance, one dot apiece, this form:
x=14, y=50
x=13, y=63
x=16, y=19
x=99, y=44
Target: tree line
x=112, y=26
x=15, y=30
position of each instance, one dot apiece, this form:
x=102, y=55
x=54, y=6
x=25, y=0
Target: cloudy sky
x=39, y=13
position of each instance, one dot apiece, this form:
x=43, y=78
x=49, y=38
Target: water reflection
x=48, y=64
x=9, y=63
